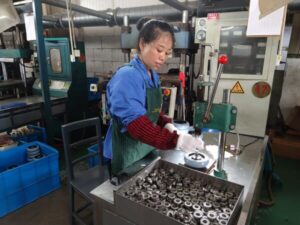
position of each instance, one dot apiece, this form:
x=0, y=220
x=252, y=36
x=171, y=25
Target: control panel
x=169, y=100
x=200, y=30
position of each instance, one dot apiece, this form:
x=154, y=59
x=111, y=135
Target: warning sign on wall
x=237, y=88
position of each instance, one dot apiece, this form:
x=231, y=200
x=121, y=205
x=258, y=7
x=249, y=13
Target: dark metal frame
x=82, y=182
x=38, y=14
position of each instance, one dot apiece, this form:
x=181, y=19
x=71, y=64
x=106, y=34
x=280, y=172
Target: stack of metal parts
x=33, y=153
x=182, y=195
x=6, y=142
x=21, y=131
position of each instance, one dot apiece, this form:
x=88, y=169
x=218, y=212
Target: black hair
x=150, y=29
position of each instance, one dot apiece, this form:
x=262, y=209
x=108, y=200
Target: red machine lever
x=223, y=59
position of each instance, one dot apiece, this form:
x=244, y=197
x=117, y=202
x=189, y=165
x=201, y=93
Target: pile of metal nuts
x=182, y=198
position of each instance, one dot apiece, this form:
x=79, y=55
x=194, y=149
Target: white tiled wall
x=102, y=44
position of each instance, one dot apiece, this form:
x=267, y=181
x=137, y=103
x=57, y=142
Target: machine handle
x=223, y=59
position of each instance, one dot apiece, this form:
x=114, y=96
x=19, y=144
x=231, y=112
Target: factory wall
x=102, y=44
x=290, y=91
x=290, y=97
x=104, y=54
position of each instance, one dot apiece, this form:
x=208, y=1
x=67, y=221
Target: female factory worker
x=134, y=102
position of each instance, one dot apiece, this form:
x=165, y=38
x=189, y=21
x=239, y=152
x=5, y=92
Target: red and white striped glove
x=144, y=130
x=163, y=120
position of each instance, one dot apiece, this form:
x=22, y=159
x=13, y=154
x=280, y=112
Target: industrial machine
x=219, y=116
x=183, y=36
x=67, y=79
x=158, y=191
x=249, y=72
x=14, y=70
x=184, y=47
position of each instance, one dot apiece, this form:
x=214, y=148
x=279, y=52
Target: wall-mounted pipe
x=134, y=14
x=176, y=5
x=50, y=19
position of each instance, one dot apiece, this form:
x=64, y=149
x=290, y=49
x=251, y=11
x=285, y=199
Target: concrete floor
x=51, y=209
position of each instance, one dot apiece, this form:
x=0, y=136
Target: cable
x=270, y=193
x=73, y=30
x=250, y=143
x=69, y=25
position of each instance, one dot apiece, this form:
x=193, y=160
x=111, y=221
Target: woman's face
x=155, y=53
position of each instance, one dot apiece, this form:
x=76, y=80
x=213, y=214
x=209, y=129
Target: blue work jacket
x=126, y=96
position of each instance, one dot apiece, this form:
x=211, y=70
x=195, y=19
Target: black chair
x=85, y=180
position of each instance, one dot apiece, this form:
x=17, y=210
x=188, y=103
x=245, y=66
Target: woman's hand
x=188, y=143
x=170, y=127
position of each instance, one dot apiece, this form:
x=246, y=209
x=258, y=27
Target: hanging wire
x=73, y=30
x=70, y=28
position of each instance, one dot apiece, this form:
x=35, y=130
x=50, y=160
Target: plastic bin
x=12, y=105
x=94, y=161
x=39, y=134
x=22, y=182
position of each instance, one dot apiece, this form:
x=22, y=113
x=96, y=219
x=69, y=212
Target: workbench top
x=7, y=83
x=29, y=100
x=244, y=169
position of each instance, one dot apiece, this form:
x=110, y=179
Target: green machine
x=67, y=79
x=15, y=53
x=221, y=116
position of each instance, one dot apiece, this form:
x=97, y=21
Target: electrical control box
x=169, y=100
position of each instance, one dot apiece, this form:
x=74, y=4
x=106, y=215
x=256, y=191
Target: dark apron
x=125, y=149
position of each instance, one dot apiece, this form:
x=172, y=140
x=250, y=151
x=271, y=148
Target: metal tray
x=130, y=206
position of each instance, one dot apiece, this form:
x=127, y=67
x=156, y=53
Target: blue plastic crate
x=13, y=105
x=94, y=161
x=22, y=182
x=39, y=134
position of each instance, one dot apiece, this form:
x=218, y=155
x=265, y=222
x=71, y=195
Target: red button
x=167, y=92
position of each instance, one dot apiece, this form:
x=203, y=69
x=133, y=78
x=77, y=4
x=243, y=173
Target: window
x=55, y=60
x=245, y=55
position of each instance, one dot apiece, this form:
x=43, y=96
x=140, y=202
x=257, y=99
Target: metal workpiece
x=187, y=197
x=244, y=169
x=221, y=153
x=204, y=221
x=196, y=159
